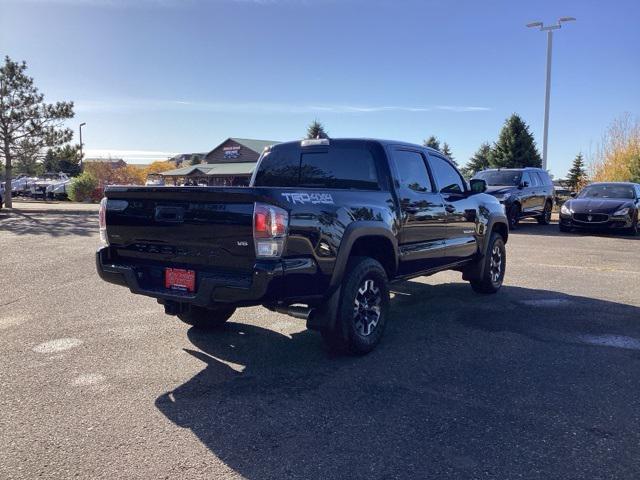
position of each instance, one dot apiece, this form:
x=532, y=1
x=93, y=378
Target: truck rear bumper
x=263, y=284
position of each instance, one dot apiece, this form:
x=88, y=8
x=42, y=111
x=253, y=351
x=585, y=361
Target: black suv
x=319, y=234
x=524, y=192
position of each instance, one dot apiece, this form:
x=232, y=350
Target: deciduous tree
x=618, y=156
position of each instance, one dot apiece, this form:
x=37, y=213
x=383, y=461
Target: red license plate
x=180, y=279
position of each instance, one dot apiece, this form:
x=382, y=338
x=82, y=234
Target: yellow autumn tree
x=106, y=174
x=618, y=157
x=159, y=166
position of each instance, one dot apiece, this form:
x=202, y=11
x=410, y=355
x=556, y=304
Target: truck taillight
x=102, y=222
x=269, y=230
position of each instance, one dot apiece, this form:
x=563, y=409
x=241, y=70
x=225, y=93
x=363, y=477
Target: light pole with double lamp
x=549, y=29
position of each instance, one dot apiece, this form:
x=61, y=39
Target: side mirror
x=478, y=185
x=573, y=194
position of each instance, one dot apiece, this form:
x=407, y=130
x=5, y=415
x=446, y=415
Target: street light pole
x=547, y=95
x=80, y=128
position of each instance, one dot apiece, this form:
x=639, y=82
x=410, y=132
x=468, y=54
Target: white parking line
x=58, y=345
x=583, y=267
x=610, y=340
x=88, y=379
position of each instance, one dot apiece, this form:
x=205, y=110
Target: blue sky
x=154, y=77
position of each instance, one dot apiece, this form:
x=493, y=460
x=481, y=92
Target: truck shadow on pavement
x=54, y=225
x=527, y=383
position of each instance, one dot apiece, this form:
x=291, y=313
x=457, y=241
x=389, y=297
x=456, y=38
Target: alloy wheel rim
x=495, y=269
x=367, y=307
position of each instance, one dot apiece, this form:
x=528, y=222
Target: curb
x=55, y=211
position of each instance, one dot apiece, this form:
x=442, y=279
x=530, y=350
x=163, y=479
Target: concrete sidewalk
x=34, y=206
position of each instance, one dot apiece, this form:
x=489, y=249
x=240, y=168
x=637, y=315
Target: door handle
x=450, y=208
x=411, y=209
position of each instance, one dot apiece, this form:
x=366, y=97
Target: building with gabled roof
x=229, y=164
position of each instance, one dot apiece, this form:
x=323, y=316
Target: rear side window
x=412, y=171
x=339, y=167
x=279, y=168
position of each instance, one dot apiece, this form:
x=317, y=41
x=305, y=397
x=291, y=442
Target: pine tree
x=446, y=151
x=515, y=147
x=26, y=122
x=479, y=161
x=316, y=130
x=578, y=174
x=432, y=142
x=63, y=159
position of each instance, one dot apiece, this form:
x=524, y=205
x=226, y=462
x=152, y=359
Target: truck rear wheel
x=206, y=318
x=363, y=308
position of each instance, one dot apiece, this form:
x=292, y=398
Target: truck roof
x=355, y=139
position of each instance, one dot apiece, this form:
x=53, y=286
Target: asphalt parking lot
x=540, y=381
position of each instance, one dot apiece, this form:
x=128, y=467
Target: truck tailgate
x=204, y=228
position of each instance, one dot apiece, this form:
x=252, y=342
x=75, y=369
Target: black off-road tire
x=206, y=318
x=513, y=215
x=358, y=328
x=495, y=262
x=545, y=218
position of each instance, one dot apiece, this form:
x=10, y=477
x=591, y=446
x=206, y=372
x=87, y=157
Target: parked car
x=323, y=228
x=524, y=192
x=611, y=206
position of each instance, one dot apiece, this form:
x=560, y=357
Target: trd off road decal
x=313, y=198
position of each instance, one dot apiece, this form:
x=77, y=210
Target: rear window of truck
x=339, y=166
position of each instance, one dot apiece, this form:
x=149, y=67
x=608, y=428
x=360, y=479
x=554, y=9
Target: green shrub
x=82, y=188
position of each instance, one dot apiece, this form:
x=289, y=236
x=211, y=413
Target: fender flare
x=324, y=316
x=353, y=232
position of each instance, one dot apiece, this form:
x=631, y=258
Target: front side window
x=535, y=180
x=447, y=177
x=412, y=171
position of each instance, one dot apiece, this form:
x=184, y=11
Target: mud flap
x=324, y=316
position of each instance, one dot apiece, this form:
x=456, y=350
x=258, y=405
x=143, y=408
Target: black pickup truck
x=321, y=231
